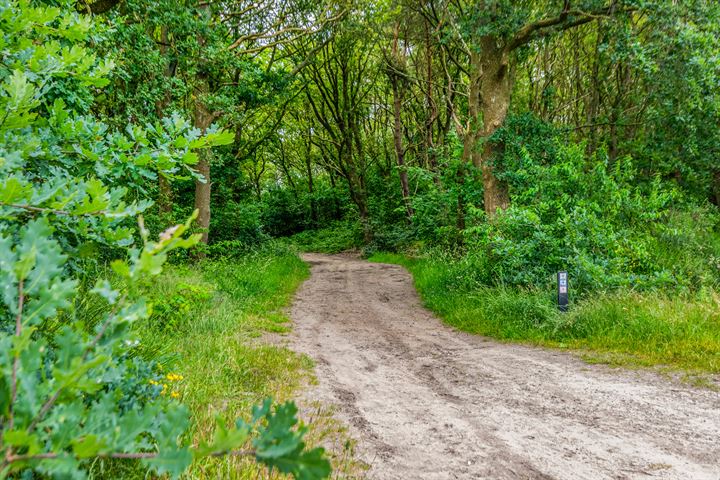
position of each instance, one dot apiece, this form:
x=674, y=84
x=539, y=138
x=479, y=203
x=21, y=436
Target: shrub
x=70, y=391
x=338, y=237
x=237, y=222
x=600, y=224
x=170, y=312
x=283, y=213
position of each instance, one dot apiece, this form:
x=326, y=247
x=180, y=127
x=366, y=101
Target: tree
x=395, y=68
x=342, y=76
x=488, y=34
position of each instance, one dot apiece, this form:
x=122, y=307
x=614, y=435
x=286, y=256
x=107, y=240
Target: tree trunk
x=460, y=218
x=399, y=152
x=202, y=119
x=488, y=102
x=308, y=144
x=311, y=191
x=337, y=213
x=202, y=196
x=432, y=107
x=165, y=195
x=397, y=63
x=165, y=190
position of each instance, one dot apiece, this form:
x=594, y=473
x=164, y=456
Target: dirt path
x=428, y=402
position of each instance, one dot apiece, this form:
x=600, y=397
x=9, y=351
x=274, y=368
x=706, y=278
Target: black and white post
x=562, y=292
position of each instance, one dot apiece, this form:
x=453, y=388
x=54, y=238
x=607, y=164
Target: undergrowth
x=336, y=238
x=627, y=328
x=205, y=334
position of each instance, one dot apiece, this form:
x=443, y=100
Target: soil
x=425, y=401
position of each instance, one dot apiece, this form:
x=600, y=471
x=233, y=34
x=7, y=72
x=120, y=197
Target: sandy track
x=428, y=402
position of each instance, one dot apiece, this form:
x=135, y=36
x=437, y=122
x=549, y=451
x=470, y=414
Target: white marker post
x=562, y=295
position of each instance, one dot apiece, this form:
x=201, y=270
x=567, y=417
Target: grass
x=629, y=329
x=207, y=326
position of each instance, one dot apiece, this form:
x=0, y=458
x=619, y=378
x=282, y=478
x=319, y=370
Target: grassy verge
x=205, y=330
x=622, y=329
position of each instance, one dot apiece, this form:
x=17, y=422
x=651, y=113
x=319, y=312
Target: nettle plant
x=66, y=179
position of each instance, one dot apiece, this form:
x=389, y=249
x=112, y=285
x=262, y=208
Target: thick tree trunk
x=202, y=196
x=164, y=195
x=489, y=99
x=202, y=118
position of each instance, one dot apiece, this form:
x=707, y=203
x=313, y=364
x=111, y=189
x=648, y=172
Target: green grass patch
x=648, y=329
x=205, y=326
x=205, y=331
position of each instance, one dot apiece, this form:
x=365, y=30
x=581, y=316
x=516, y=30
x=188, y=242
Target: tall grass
x=207, y=326
x=628, y=328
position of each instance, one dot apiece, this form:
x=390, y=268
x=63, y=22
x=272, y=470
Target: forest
x=164, y=164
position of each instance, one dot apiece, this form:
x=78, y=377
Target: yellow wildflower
x=175, y=394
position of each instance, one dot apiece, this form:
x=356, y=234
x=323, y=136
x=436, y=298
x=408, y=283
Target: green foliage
x=596, y=220
x=172, y=312
x=70, y=391
x=684, y=105
x=55, y=422
x=238, y=222
x=335, y=238
x=283, y=214
x=281, y=448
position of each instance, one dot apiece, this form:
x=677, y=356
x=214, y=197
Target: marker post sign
x=562, y=295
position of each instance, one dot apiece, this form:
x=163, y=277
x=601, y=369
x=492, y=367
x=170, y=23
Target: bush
x=283, y=213
x=170, y=312
x=71, y=391
x=607, y=230
x=649, y=328
x=338, y=237
x=237, y=222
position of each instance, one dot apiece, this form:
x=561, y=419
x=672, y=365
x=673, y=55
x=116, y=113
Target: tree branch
x=123, y=455
x=16, y=360
x=33, y=209
x=568, y=18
